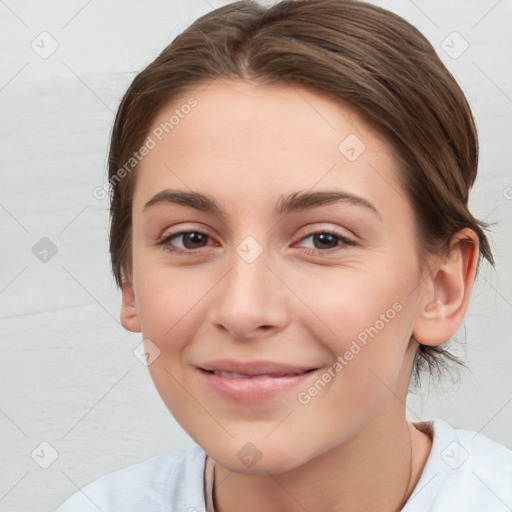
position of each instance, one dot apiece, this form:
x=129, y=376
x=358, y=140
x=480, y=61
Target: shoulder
x=173, y=481
x=466, y=471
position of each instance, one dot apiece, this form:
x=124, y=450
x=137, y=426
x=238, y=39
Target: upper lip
x=254, y=368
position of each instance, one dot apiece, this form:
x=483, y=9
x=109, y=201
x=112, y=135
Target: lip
x=265, y=379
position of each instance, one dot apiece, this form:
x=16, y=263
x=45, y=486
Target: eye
x=188, y=242
x=327, y=242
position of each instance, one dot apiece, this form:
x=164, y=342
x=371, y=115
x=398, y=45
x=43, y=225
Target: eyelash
x=343, y=241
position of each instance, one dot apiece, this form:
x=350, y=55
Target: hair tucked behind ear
x=349, y=50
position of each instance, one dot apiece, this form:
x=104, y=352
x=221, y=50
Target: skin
x=246, y=145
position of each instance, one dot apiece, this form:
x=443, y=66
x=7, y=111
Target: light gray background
x=69, y=377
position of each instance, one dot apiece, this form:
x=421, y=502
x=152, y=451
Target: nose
x=250, y=301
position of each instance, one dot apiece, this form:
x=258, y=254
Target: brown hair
x=351, y=51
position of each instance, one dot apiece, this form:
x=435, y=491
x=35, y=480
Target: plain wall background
x=69, y=377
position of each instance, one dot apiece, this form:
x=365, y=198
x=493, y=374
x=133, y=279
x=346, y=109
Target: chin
x=256, y=459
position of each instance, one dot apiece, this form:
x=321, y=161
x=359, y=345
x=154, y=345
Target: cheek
x=166, y=300
x=352, y=304
x=365, y=321
x=368, y=355
x=171, y=305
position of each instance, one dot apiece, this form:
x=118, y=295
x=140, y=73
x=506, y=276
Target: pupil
x=194, y=238
x=326, y=238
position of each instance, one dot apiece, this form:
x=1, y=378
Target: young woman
x=291, y=234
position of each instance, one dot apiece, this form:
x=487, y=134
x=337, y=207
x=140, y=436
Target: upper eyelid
x=184, y=231
x=310, y=231
x=338, y=231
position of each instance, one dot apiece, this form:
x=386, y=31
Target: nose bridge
x=250, y=295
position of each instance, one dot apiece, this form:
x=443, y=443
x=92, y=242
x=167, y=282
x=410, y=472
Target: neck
x=375, y=470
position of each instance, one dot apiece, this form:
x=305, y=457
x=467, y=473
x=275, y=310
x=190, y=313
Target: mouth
x=254, y=382
x=241, y=376
x=250, y=369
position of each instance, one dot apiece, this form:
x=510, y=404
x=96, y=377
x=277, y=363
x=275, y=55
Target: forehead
x=293, y=119
x=244, y=139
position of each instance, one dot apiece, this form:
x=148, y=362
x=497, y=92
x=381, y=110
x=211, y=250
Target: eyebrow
x=297, y=201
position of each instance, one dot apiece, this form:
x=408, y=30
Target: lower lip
x=254, y=389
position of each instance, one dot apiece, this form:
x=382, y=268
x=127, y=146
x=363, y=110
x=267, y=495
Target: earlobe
x=129, y=314
x=451, y=283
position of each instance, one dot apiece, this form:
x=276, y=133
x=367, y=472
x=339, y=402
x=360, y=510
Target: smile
x=232, y=375
x=253, y=382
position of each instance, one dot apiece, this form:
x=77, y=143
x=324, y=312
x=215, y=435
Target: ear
x=129, y=314
x=446, y=303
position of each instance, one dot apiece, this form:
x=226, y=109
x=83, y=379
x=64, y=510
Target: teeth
x=241, y=376
x=231, y=375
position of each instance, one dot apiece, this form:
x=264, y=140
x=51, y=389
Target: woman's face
x=296, y=281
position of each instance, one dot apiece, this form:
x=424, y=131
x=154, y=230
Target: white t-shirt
x=465, y=472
